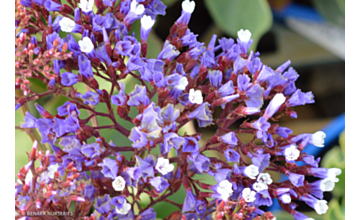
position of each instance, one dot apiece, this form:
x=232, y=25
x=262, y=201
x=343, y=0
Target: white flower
x=66, y=24
x=28, y=177
x=136, y=7
x=327, y=185
x=183, y=82
x=248, y=195
x=285, y=198
x=278, y=99
x=259, y=186
x=119, y=183
x=225, y=189
x=292, y=153
x=195, y=96
x=244, y=36
x=321, y=207
x=318, y=138
x=188, y=6
x=125, y=209
x=332, y=173
x=86, y=45
x=251, y=171
x=264, y=178
x=86, y=5
x=163, y=166
x=52, y=169
x=147, y=22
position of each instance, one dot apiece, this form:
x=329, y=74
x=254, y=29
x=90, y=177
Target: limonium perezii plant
x=87, y=176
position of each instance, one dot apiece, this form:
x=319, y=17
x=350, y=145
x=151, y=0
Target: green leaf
x=334, y=212
x=331, y=11
x=342, y=141
x=233, y=15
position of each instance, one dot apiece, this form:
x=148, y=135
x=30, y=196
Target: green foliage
x=233, y=15
x=332, y=10
x=336, y=158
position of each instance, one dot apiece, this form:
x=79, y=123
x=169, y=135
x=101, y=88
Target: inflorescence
x=89, y=177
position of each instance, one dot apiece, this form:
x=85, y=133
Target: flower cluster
x=89, y=176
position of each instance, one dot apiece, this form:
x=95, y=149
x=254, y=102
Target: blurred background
x=310, y=33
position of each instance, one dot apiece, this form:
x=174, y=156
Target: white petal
x=188, y=6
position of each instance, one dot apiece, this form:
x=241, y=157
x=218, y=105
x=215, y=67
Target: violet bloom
x=69, y=79
x=148, y=214
x=171, y=140
x=91, y=98
x=229, y=138
x=203, y=115
x=159, y=183
x=190, y=145
x=231, y=155
x=263, y=198
x=103, y=204
x=138, y=96
x=85, y=66
x=296, y=179
x=189, y=202
x=119, y=99
x=138, y=138
x=29, y=121
x=201, y=162
x=110, y=168
x=52, y=6
x=135, y=12
x=129, y=46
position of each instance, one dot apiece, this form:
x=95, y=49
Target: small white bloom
x=278, y=99
x=321, y=207
x=259, y=186
x=244, y=36
x=264, y=178
x=195, y=96
x=136, y=7
x=119, y=183
x=225, y=189
x=332, y=173
x=188, y=6
x=66, y=24
x=86, y=5
x=28, y=177
x=183, y=82
x=125, y=209
x=147, y=22
x=327, y=185
x=285, y=198
x=251, y=171
x=318, y=138
x=292, y=153
x=248, y=195
x=163, y=166
x=52, y=169
x=86, y=45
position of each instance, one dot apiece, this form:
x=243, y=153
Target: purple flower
x=200, y=162
x=171, y=140
x=189, y=202
x=159, y=183
x=296, y=179
x=102, y=54
x=146, y=166
x=229, y=138
x=190, y=145
x=203, y=115
x=103, y=204
x=300, y=98
x=110, y=168
x=108, y=2
x=29, y=121
x=118, y=201
x=85, y=66
x=138, y=97
x=129, y=46
x=232, y=156
x=148, y=214
x=263, y=198
x=134, y=172
x=91, y=98
x=168, y=52
x=138, y=138
x=52, y=6
x=187, y=9
x=69, y=79
x=91, y=150
x=261, y=125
